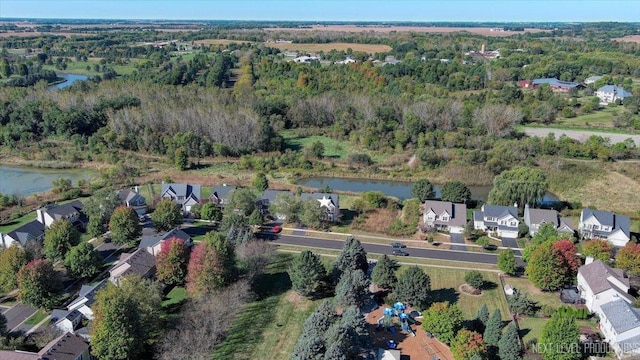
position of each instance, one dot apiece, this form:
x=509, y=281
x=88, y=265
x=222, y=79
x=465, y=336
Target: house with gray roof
x=220, y=194
x=555, y=84
x=71, y=211
x=609, y=94
x=153, y=243
x=329, y=202
x=32, y=231
x=534, y=218
x=185, y=195
x=268, y=197
x=502, y=220
x=133, y=199
x=598, y=283
x=65, y=320
x=605, y=225
x=620, y=325
x=66, y=347
x=445, y=215
x=140, y=263
x=84, y=302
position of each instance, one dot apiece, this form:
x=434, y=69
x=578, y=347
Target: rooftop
x=622, y=316
x=66, y=347
x=597, y=275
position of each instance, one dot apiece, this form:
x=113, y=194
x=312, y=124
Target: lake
x=70, y=79
x=25, y=181
x=398, y=189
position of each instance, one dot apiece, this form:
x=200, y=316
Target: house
x=268, y=197
x=153, y=243
x=291, y=53
x=592, y=79
x=220, y=194
x=66, y=347
x=388, y=354
x=85, y=299
x=620, y=325
x=348, y=60
x=185, y=195
x=66, y=321
x=134, y=200
x=598, y=284
x=556, y=85
x=604, y=225
x=609, y=94
x=139, y=262
x=331, y=203
x=306, y=59
x=503, y=220
x=32, y=231
x=534, y=218
x=71, y=211
x=445, y=215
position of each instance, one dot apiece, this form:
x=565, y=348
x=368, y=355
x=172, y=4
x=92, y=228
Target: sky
x=330, y=10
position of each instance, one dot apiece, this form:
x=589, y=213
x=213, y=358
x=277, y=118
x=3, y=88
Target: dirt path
x=581, y=135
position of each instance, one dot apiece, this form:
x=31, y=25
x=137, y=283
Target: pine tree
x=306, y=273
x=413, y=287
x=352, y=289
x=493, y=329
x=309, y=347
x=384, y=273
x=352, y=257
x=482, y=315
x=509, y=344
x=353, y=319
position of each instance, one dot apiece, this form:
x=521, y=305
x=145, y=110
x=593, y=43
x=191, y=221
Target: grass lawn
x=37, y=317
x=531, y=327
x=198, y=232
x=542, y=298
x=601, y=119
x=332, y=148
x=80, y=67
x=14, y=224
x=175, y=296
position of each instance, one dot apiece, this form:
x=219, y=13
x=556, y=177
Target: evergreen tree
x=260, y=182
x=352, y=289
x=507, y=262
x=352, y=257
x=353, y=319
x=413, y=287
x=306, y=273
x=384, y=273
x=455, y=191
x=256, y=218
x=493, y=328
x=309, y=347
x=181, y=159
x=474, y=278
x=482, y=315
x=509, y=344
x=559, y=338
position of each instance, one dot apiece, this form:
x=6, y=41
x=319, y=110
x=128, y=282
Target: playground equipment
x=398, y=310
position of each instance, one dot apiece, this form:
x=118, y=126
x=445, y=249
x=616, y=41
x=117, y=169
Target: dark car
x=398, y=245
x=400, y=253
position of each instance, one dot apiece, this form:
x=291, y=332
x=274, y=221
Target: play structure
x=387, y=320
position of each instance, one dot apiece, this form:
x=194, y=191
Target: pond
x=398, y=189
x=25, y=181
x=70, y=79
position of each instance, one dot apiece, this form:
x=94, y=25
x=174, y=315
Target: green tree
x=39, y=284
x=317, y=149
x=101, y=205
x=413, y=287
x=509, y=344
x=507, y=262
x=96, y=226
x=59, y=238
x=211, y=212
x=11, y=260
x=375, y=199
x=124, y=226
x=312, y=214
x=467, y=344
x=546, y=233
x=474, y=278
x=520, y=304
x=211, y=265
x=423, y=190
x=82, y=261
x=443, y=320
x=352, y=289
x=243, y=200
x=181, y=159
x=167, y=215
x=384, y=273
x=544, y=268
x=171, y=262
x=519, y=185
x=3, y=326
x=559, y=338
x=311, y=343
x=493, y=328
x=455, y=191
x=260, y=182
x=352, y=257
x=482, y=315
x=598, y=249
x=256, y=218
x=287, y=206
x=306, y=273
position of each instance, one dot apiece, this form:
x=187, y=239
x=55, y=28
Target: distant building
x=534, y=218
x=609, y=94
x=306, y=59
x=555, y=84
x=65, y=347
x=221, y=194
x=153, y=243
x=329, y=202
x=134, y=200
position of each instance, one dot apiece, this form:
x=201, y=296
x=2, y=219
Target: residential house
x=221, y=194
x=388, y=354
x=153, y=243
x=32, y=231
x=268, y=197
x=66, y=347
x=291, y=53
x=555, y=84
x=503, y=220
x=592, y=79
x=306, y=59
x=609, y=94
x=139, y=262
x=445, y=215
x=330, y=202
x=534, y=218
x=185, y=195
x=71, y=211
x=599, y=284
x=620, y=325
x=133, y=199
x=65, y=320
x=84, y=302
x=604, y=225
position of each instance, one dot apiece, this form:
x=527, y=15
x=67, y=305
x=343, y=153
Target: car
x=277, y=229
x=400, y=253
x=398, y=245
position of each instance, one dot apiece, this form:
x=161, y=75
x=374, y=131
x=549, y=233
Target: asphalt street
x=17, y=314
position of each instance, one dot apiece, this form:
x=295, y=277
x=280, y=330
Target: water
x=25, y=181
x=71, y=78
x=398, y=189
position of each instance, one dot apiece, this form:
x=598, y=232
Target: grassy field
x=37, y=317
x=80, y=67
x=540, y=297
x=368, y=48
x=333, y=148
x=531, y=327
x=221, y=41
x=601, y=119
x=175, y=296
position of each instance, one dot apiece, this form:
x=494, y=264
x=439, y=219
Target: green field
x=337, y=149
x=531, y=327
x=175, y=296
x=37, y=317
x=80, y=67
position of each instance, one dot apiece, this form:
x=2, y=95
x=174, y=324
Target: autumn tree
x=455, y=191
x=384, y=273
x=352, y=257
x=124, y=226
x=559, y=338
x=509, y=344
x=546, y=233
x=423, y=190
x=520, y=185
x=59, y=238
x=567, y=254
x=211, y=212
x=544, y=267
x=413, y=287
x=598, y=249
x=11, y=260
x=171, y=262
x=628, y=259
x=167, y=215
x=260, y=182
x=82, y=261
x=306, y=273
x=352, y=289
x=507, y=262
x=443, y=320
x=467, y=344
x=211, y=265
x=39, y=284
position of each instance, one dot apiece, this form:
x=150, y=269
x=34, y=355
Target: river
x=70, y=79
x=25, y=181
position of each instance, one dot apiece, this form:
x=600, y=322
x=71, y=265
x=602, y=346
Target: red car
x=277, y=229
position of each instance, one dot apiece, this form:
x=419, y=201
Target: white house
x=609, y=94
x=330, y=202
x=620, y=325
x=133, y=199
x=84, y=302
x=599, y=284
x=66, y=321
x=268, y=197
x=153, y=243
x=71, y=211
x=185, y=195
x=503, y=220
x=32, y=231
x=445, y=215
x=604, y=225
x=534, y=218
x=306, y=59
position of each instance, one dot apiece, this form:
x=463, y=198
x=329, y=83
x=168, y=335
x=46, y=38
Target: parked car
x=398, y=245
x=400, y=253
x=277, y=229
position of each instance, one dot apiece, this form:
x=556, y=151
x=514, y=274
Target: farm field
x=630, y=38
x=368, y=48
x=427, y=29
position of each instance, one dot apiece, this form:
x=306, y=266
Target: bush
x=474, y=278
x=483, y=241
x=361, y=159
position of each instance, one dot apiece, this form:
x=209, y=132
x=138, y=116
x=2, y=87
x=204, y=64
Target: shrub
x=483, y=241
x=474, y=278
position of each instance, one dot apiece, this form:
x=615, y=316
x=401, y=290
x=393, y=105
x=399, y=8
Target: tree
x=211, y=212
x=474, y=278
x=3, y=326
x=455, y=191
x=317, y=149
x=167, y=215
x=598, y=249
x=413, y=287
x=11, y=260
x=559, y=338
x=352, y=289
x=312, y=214
x=509, y=344
x=181, y=159
x=171, y=262
x=507, y=262
x=243, y=200
x=311, y=343
x=520, y=304
x=59, y=238
x=211, y=265
x=628, y=259
x=493, y=328
x=466, y=344
x=354, y=321
x=260, y=182
x=567, y=254
x=126, y=319
x=443, y=320
x=39, y=284
x=544, y=268
x=96, y=226
x=519, y=185
x=255, y=218
x=384, y=273
x=306, y=273
x=101, y=205
x=124, y=226
x=423, y=190
x=482, y=315
x=546, y=233
x=286, y=206
x=82, y=261
x=352, y=257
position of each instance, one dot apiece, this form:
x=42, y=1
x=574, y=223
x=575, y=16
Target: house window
x=595, y=227
x=444, y=218
x=180, y=197
x=513, y=223
x=503, y=222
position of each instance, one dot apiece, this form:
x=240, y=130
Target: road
x=451, y=255
x=580, y=135
x=18, y=314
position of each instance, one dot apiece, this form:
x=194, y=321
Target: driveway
x=18, y=314
x=458, y=239
x=512, y=243
x=106, y=249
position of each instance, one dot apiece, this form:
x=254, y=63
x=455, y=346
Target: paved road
x=471, y=257
x=458, y=239
x=512, y=243
x=18, y=314
x=580, y=135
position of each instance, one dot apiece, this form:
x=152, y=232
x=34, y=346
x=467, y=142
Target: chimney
x=40, y=216
x=588, y=260
x=515, y=204
x=136, y=189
